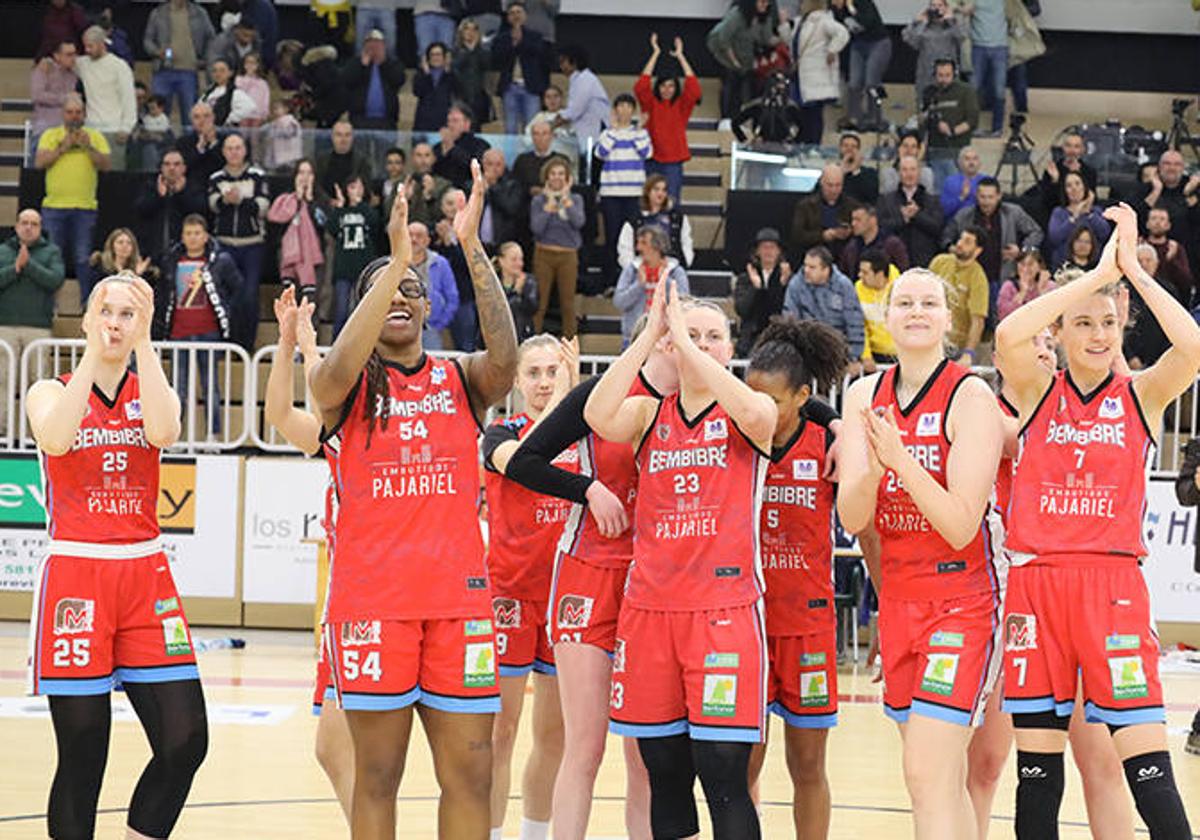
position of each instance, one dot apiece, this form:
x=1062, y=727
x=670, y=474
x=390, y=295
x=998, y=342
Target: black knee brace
x=1039, y=795
x=1152, y=782
x=1041, y=720
x=722, y=766
x=672, y=804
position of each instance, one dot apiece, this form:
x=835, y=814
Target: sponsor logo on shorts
x=355, y=633
x=133, y=410
x=814, y=689
x=1128, y=677
x=804, y=469
x=1020, y=632
x=175, y=636
x=619, y=656
x=818, y=603
x=715, y=429
x=721, y=660
x=476, y=583
x=720, y=695
x=808, y=660
x=940, y=671
x=574, y=611
x=166, y=605
x=478, y=628
x=662, y=431
x=74, y=615
x=506, y=612
x=437, y=375
x=728, y=572
x=951, y=567
x=943, y=639
x=1119, y=642
x=1111, y=408
x=479, y=665
x=929, y=424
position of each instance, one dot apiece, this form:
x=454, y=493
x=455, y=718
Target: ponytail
x=803, y=350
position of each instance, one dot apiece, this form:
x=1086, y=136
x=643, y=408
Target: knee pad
x=672, y=805
x=1040, y=782
x=1152, y=782
x=722, y=766
x=1041, y=720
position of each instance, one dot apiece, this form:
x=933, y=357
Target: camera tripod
x=1179, y=136
x=1018, y=152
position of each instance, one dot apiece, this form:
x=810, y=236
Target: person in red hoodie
x=64, y=21
x=668, y=106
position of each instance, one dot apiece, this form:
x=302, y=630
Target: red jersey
x=1004, y=474
x=797, y=535
x=523, y=526
x=105, y=489
x=1080, y=485
x=918, y=564
x=408, y=541
x=695, y=541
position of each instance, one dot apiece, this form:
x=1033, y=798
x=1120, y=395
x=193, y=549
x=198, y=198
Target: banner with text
x=1170, y=532
x=285, y=500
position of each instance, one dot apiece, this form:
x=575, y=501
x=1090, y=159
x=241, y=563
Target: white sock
x=496, y=833
x=534, y=830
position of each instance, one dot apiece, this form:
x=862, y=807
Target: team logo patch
x=74, y=615
x=1128, y=677
x=506, y=612
x=1111, y=408
x=355, y=633
x=1120, y=642
x=944, y=639
x=662, y=431
x=479, y=665
x=175, y=636
x=715, y=429
x=940, y=671
x=1020, y=632
x=929, y=424
x=133, y=410
x=574, y=611
x=476, y=583
x=720, y=695
x=721, y=660
x=477, y=628
x=438, y=374
x=804, y=469
x=618, y=662
x=814, y=689
x=166, y=605
x=807, y=660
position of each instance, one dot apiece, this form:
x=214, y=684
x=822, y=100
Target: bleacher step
x=690, y=179
x=24, y=105
x=701, y=208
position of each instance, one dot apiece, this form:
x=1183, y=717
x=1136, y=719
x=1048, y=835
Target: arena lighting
x=800, y=172
x=762, y=157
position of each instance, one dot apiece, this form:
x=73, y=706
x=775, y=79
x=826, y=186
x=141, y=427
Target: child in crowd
x=354, y=224
x=285, y=140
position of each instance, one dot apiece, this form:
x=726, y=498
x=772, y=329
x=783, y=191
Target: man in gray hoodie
x=936, y=34
x=828, y=296
x=639, y=279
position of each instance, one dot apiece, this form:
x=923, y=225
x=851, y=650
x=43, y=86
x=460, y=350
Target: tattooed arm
x=490, y=373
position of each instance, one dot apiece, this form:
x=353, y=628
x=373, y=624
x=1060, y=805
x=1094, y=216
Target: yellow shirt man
x=873, y=299
x=71, y=180
x=967, y=295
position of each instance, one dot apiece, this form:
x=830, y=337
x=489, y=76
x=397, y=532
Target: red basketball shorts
x=700, y=673
x=1064, y=623
x=97, y=622
x=586, y=601
x=323, y=687
x=941, y=658
x=802, y=681
x=447, y=664
x=521, y=639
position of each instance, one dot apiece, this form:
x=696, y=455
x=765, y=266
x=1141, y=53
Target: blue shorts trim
x=379, y=702
x=825, y=721
x=1123, y=717
x=316, y=710
x=515, y=670
x=330, y=696
x=739, y=734
x=1036, y=705
x=75, y=688
x=932, y=710
x=171, y=673
x=648, y=730
x=462, y=705
x=898, y=715
x=542, y=667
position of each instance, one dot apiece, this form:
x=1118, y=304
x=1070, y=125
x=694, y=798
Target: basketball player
x=401, y=630
x=523, y=528
x=922, y=444
x=105, y=609
x=690, y=656
x=797, y=545
x=1077, y=606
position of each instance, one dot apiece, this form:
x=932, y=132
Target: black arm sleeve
x=530, y=466
x=495, y=435
x=820, y=412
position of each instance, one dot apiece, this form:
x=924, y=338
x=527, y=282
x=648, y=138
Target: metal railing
x=9, y=397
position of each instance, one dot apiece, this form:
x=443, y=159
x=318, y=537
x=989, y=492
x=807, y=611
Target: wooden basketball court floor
x=260, y=779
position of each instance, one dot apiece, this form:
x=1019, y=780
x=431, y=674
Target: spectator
x=989, y=57
x=151, y=136
x=1079, y=210
x=556, y=219
x=668, y=106
x=818, y=41
x=748, y=28
x=1081, y=249
x=958, y=190
x=458, y=147
x=1005, y=228
x=177, y=38
x=967, y=292
x=165, y=202
x=774, y=117
x=464, y=320
x=1145, y=341
x=657, y=209
x=238, y=201
x=120, y=253
x=52, y=80
x=937, y=34
x=828, y=296
x=107, y=86
x=1187, y=493
x=864, y=224
x=858, y=182
x=284, y=138
x=873, y=288
x=260, y=14
x=432, y=25
x=913, y=214
x=1168, y=189
x=565, y=141
x=503, y=204
x=195, y=300
x=356, y=229
x=542, y=14
x=232, y=46
x=1172, y=256
x=201, y=148
x=300, y=246
x=623, y=149
x=31, y=270
x=523, y=60
x=250, y=80
x=1051, y=184
x=435, y=87
x=910, y=145
x=63, y=21
x=587, y=102
x=823, y=218
x=342, y=161
x=373, y=83
x=440, y=284
x=424, y=189
x=639, y=279
x=73, y=156
x=527, y=168
x=1032, y=280
x=520, y=289
x=394, y=163
x=870, y=55
x=376, y=16
x=472, y=60
x=758, y=291
x=231, y=106
x=951, y=115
